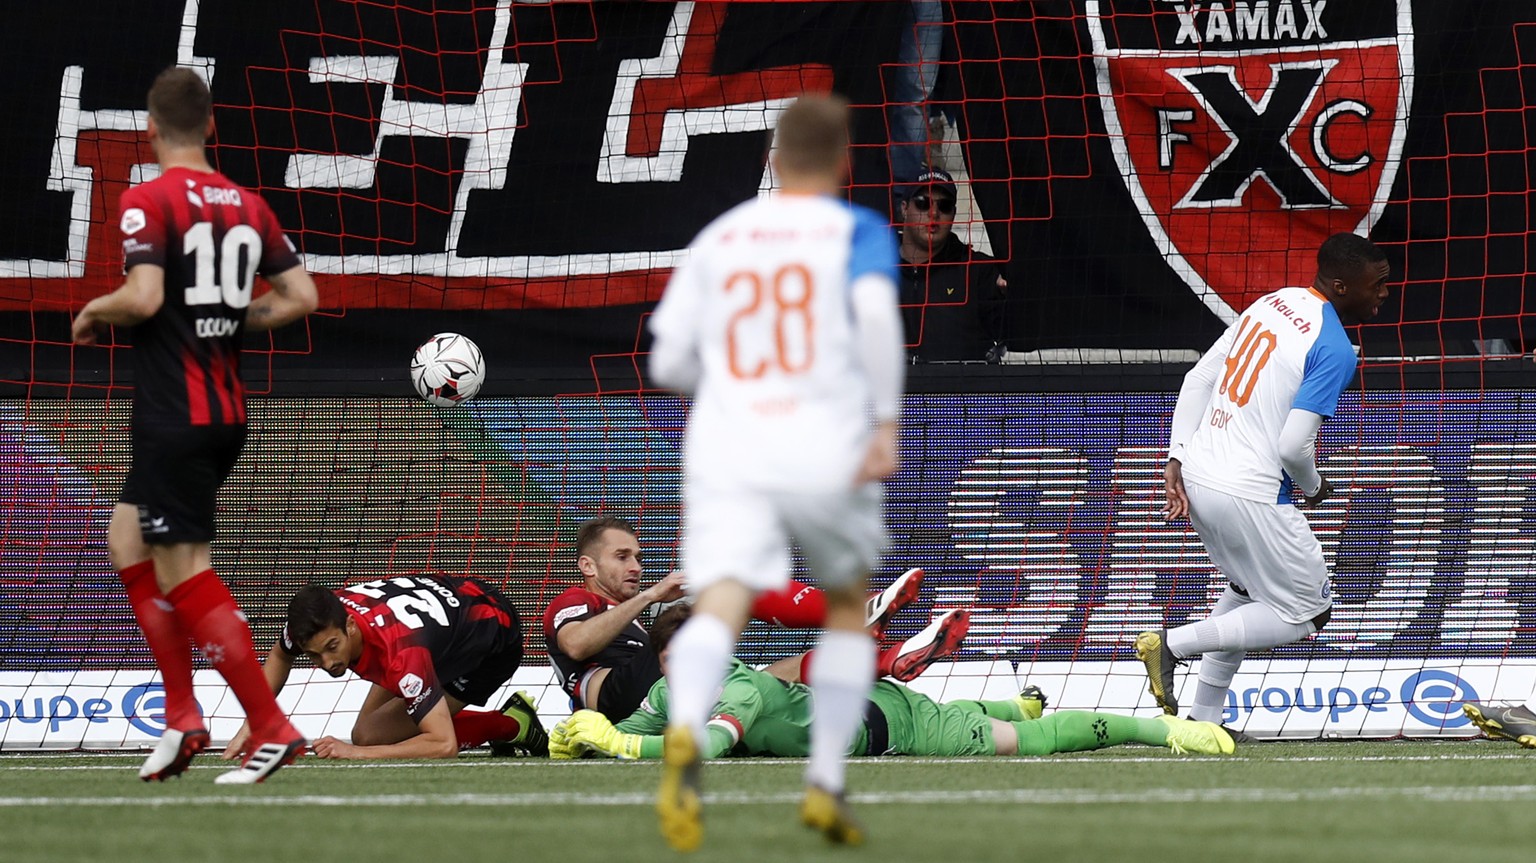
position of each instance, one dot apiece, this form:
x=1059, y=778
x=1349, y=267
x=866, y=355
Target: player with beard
x=603, y=655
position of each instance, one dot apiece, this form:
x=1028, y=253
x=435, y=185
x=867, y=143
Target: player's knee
x=1321, y=620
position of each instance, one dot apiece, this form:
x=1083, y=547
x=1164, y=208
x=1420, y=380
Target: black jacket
x=951, y=307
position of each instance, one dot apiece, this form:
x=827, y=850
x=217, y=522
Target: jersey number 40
x=1254, y=345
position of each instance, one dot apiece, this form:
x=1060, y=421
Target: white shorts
x=745, y=535
x=1266, y=550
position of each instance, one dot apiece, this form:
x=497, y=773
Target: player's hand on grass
x=1323, y=492
x=560, y=746
x=238, y=743
x=880, y=460
x=1176, y=504
x=590, y=730
x=330, y=747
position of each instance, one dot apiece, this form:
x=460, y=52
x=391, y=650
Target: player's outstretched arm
x=580, y=639
x=589, y=731
x=139, y=298
x=293, y=296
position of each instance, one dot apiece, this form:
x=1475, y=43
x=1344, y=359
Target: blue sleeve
x=1329, y=368
x=873, y=246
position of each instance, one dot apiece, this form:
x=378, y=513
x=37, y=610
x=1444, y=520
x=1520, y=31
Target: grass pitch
x=1271, y=802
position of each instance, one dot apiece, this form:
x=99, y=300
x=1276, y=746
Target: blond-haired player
x=783, y=325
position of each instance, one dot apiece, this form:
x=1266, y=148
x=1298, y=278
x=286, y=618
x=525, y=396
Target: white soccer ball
x=448, y=369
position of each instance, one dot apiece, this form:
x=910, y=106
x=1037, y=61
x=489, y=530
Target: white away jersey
x=763, y=303
x=1288, y=350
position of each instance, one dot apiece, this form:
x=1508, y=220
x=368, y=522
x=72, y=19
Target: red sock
x=167, y=643
x=883, y=662
x=476, y=727
x=797, y=606
x=205, y=609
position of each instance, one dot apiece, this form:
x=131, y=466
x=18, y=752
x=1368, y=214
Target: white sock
x=1193, y=639
x=842, y=676
x=1217, y=669
x=1530, y=703
x=697, y=659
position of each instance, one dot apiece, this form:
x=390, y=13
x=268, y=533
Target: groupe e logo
x=1435, y=697
x=143, y=706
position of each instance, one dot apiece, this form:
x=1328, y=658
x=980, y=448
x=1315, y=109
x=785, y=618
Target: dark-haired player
x=193, y=244
x=782, y=323
x=1244, y=430
x=430, y=645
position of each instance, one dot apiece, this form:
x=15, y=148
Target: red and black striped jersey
x=212, y=238
x=420, y=630
x=578, y=603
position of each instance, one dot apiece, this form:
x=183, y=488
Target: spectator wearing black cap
x=952, y=296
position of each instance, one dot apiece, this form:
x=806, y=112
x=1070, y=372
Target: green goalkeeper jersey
x=757, y=714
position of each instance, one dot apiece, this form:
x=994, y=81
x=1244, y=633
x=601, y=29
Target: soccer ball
x=448, y=369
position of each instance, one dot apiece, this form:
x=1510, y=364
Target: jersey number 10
x=789, y=292
x=226, y=273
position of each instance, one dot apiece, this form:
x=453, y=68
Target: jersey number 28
x=779, y=305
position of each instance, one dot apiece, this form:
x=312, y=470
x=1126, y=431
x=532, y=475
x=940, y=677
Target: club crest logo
x=1249, y=131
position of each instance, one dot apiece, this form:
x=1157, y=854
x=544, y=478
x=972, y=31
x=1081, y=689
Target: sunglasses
x=921, y=203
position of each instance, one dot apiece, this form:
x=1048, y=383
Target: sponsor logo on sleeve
x=565, y=614
x=411, y=685
x=133, y=220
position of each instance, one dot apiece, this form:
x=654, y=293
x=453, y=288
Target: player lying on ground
x=603, y=655
x=430, y=645
x=758, y=714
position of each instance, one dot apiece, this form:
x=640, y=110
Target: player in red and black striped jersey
x=193, y=243
x=597, y=646
x=429, y=644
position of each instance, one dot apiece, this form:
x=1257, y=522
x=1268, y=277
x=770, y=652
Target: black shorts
x=175, y=479
x=627, y=685
x=503, y=656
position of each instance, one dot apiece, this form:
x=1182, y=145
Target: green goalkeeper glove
x=590, y=730
x=560, y=746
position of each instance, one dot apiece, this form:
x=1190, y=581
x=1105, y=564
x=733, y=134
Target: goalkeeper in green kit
x=759, y=714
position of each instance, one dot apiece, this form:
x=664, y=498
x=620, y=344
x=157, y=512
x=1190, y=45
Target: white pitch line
x=1065, y=759
x=1015, y=796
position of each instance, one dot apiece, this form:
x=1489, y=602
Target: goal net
x=527, y=174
